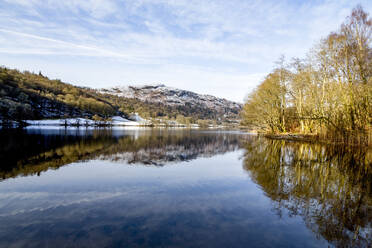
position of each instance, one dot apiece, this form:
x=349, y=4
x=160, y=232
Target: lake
x=180, y=188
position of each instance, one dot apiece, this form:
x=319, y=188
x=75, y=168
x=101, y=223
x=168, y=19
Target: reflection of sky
x=206, y=201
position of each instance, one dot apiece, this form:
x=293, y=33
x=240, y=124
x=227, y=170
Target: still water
x=180, y=188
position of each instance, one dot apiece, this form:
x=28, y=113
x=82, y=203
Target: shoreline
x=312, y=138
x=115, y=121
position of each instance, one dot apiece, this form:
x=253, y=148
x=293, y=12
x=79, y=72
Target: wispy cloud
x=62, y=48
x=183, y=43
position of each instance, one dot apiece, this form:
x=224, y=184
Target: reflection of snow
x=173, y=152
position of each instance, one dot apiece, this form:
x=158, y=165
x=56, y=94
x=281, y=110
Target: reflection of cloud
x=43, y=201
x=201, y=213
x=188, y=196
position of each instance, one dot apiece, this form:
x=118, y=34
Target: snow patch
x=115, y=121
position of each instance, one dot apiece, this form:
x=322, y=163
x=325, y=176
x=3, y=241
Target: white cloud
x=212, y=46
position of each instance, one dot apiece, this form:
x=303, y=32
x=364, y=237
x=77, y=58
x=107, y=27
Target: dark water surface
x=180, y=188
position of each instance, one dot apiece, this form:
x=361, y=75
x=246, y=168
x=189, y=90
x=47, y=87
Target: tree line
x=327, y=93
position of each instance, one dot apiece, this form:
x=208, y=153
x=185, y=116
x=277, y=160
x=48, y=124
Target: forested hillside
x=328, y=93
x=25, y=95
x=33, y=96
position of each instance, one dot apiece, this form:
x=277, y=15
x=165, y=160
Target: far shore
x=115, y=121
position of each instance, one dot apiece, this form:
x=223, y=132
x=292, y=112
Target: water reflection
x=330, y=187
x=27, y=152
x=112, y=188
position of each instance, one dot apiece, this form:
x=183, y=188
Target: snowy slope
x=115, y=121
x=177, y=97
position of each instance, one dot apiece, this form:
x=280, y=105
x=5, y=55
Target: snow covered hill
x=178, y=98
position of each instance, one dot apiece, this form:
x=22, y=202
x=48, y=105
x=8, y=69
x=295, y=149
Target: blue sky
x=218, y=47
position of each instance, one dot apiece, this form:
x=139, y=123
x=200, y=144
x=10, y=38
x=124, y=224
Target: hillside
x=25, y=95
x=186, y=102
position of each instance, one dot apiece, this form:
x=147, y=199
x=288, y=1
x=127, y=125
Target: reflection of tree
x=330, y=187
x=27, y=154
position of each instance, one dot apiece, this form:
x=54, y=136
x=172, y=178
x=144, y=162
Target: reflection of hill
x=27, y=154
x=166, y=148
x=330, y=187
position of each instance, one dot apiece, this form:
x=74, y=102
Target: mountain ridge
x=160, y=85
x=171, y=96
x=30, y=96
